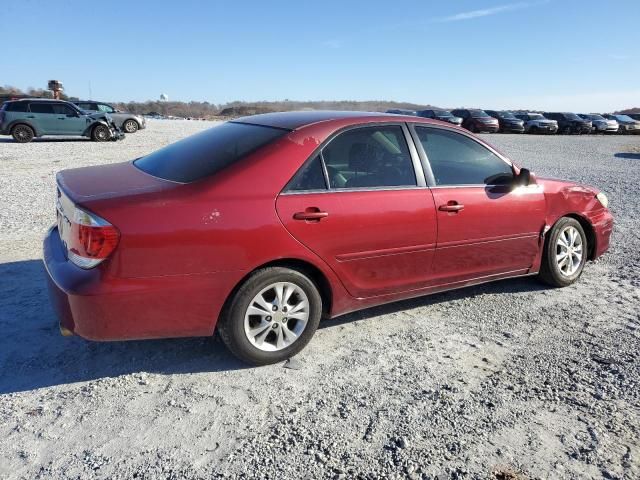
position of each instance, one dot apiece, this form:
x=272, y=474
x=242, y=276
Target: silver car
x=129, y=122
x=537, y=123
x=599, y=123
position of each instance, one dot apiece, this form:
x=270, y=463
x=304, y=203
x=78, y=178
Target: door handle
x=31, y=116
x=312, y=214
x=451, y=206
x=62, y=118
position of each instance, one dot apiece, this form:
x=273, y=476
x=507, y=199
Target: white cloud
x=485, y=12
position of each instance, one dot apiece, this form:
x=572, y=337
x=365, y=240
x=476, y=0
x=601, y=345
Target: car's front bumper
x=602, y=223
x=514, y=128
x=96, y=306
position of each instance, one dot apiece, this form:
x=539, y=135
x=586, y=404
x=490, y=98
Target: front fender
x=87, y=131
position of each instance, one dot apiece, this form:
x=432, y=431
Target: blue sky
x=578, y=55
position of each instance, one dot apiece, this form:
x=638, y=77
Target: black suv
x=507, y=121
x=570, y=122
x=35, y=117
x=442, y=115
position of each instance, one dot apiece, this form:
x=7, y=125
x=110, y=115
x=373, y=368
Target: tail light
x=89, y=239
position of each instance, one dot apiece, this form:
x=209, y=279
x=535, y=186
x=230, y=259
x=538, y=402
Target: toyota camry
x=259, y=227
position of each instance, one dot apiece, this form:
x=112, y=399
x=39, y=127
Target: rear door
x=361, y=204
x=44, y=117
x=486, y=225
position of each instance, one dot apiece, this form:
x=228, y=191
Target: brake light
x=90, y=239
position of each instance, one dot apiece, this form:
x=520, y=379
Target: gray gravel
x=509, y=380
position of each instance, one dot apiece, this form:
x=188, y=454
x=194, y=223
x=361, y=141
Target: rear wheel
x=100, y=133
x=130, y=126
x=22, y=133
x=565, y=253
x=533, y=129
x=272, y=316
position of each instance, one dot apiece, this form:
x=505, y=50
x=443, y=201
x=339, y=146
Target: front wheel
x=272, y=316
x=100, y=133
x=565, y=253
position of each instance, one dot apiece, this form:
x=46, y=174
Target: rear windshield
x=207, y=153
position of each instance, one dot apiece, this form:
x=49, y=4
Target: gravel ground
x=509, y=380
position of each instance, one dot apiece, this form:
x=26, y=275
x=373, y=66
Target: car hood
x=108, y=181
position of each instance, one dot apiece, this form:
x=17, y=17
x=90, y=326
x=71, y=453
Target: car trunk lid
x=108, y=181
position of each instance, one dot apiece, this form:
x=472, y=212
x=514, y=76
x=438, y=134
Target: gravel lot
x=509, y=380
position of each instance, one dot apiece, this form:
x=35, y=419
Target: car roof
x=36, y=99
x=298, y=119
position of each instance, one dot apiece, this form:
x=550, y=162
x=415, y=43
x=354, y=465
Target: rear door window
x=41, y=108
x=369, y=157
x=309, y=178
x=208, y=152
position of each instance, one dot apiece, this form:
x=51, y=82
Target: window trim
x=431, y=181
x=416, y=162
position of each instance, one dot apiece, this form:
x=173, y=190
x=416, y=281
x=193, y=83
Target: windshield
x=478, y=113
x=536, y=116
x=594, y=117
x=442, y=113
x=506, y=115
x=624, y=118
x=572, y=116
x=208, y=152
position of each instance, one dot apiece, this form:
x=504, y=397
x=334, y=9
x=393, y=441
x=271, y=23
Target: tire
x=100, y=133
x=533, y=129
x=553, y=270
x=130, y=126
x=22, y=133
x=249, y=309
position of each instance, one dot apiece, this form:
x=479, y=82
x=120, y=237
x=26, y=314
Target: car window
x=208, y=152
x=15, y=106
x=104, y=108
x=87, y=106
x=62, y=109
x=369, y=157
x=41, y=108
x=456, y=159
x=309, y=177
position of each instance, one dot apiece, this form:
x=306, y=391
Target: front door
x=360, y=205
x=70, y=122
x=486, y=225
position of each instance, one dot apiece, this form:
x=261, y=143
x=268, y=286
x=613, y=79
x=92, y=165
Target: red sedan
x=262, y=225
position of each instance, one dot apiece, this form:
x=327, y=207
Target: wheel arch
x=589, y=231
x=15, y=123
x=316, y=275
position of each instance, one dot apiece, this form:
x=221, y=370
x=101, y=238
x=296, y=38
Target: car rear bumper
x=95, y=306
x=542, y=129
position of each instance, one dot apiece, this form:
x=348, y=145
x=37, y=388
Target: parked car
x=599, y=123
x=635, y=116
x=402, y=111
x=129, y=122
x=537, y=123
x=442, y=115
x=569, y=122
x=174, y=244
x=26, y=119
x=627, y=125
x=507, y=121
x=476, y=120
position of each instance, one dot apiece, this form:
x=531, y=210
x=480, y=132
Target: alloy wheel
x=569, y=251
x=277, y=316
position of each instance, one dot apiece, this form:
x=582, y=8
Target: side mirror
x=524, y=177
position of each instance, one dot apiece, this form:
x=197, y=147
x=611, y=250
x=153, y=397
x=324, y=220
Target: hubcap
x=276, y=316
x=130, y=127
x=569, y=251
